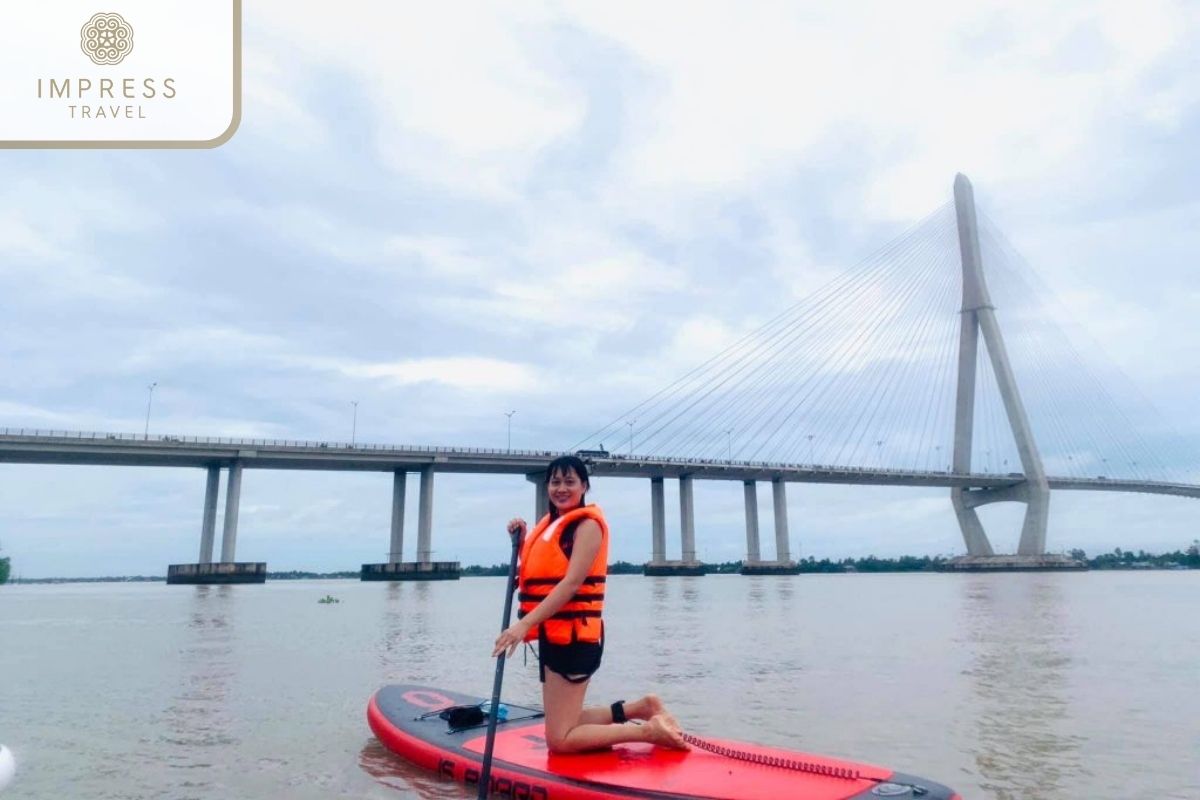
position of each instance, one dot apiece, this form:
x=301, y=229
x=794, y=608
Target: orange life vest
x=544, y=565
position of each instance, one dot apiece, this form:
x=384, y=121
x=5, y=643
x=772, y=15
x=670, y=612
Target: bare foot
x=658, y=731
x=649, y=707
x=654, y=704
x=658, y=709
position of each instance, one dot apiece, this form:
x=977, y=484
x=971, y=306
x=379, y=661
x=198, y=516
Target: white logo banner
x=123, y=73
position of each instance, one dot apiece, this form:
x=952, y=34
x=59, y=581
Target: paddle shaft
x=485, y=774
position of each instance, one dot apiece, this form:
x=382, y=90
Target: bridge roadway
x=235, y=455
x=116, y=449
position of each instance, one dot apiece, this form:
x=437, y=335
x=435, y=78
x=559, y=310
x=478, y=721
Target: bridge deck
x=111, y=449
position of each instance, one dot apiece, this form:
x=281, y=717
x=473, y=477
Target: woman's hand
x=516, y=525
x=510, y=638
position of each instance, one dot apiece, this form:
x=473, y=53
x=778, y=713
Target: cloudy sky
x=448, y=211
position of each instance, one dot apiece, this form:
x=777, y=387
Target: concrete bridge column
x=541, y=498
x=424, y=568
x=751, y=491
x=228, y=569
x=783, y=564
x=425, y=516
x=209, y=526
x=782, y=552
x=658, y=522
x=399, y=487
x=687, y=519
x=688, y=564
x=233, y=498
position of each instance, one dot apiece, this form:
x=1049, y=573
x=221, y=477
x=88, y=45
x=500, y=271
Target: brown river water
x=1047, y=686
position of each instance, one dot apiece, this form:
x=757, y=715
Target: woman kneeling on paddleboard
x=563, y=570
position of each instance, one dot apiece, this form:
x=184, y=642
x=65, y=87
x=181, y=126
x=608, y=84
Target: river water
x=1048, y=686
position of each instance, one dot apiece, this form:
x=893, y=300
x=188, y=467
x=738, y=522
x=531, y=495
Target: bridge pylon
x=979, y=315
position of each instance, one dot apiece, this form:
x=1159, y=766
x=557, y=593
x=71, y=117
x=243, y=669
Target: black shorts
x=576, y=662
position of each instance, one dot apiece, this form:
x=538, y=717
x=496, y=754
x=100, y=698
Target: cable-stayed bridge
x=898, y=372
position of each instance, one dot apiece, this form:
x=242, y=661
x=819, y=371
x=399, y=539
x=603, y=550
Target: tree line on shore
x=1117, y=559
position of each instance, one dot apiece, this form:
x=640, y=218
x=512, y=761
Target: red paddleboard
x=406, y=721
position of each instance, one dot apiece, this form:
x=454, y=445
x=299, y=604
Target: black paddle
x=485, y=775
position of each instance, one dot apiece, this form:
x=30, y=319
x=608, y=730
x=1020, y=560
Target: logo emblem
x=106, y=38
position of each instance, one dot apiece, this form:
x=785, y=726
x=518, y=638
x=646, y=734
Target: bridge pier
x=779, y=494
x=399, y=487
x=233, y=500
x=658, y=522
x=209, y=526
x=783, y=564
x=227, y=570
x=425, y=516
x=688, y=564
x=750, y=491
x=687, y=519
x=423, y=569
x=541, y=497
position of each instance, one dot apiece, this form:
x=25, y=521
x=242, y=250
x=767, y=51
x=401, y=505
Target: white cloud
x=54, y=237
x=698, y=338
x=467, y=95
x=468, y=373
x=742, y=94
x=19, y=238
x=271, y=97
x=202, y=345
x=461, y=100
x=606, y=293
x=226, y=347
x=21, y=415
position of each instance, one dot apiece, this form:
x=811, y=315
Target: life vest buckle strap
x=542, y=581
x=575, y=615
x=529, y=597
x=590, y=580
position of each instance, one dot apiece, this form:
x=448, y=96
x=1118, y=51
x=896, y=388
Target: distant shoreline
x=1117, y=560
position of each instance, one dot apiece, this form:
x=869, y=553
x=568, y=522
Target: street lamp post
x=729, y=444
x=631, y=423
x=354, y=423
x=509, y=414
x=149, y=402
x=810, y=450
